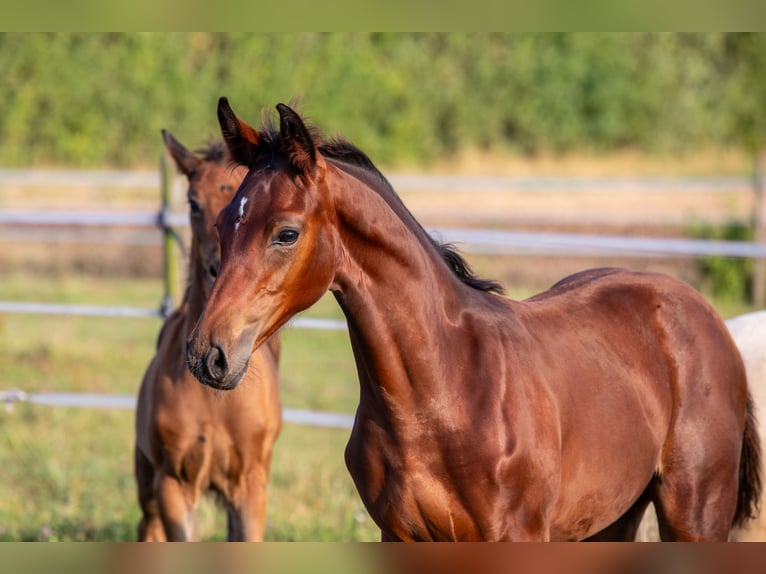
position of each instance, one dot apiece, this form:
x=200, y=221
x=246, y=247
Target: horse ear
x=240, y=138
x=299, y=142
x=186, y=161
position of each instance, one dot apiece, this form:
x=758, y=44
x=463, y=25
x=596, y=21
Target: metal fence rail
x=37, y=308
x=511, y=242
x=128, y=402
x=472, y=240
x=93, y=218
x=475, y=240
x=80, y=178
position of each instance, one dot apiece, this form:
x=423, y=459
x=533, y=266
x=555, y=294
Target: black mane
x=215, y=152
x=463, y=271
x=345, y=152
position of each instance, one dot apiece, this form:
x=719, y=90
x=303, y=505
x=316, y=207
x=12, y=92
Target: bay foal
x=482, y=418
x=190, y=439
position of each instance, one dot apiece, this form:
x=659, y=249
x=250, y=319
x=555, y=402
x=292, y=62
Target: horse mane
x=345, y=152
x=463, y=271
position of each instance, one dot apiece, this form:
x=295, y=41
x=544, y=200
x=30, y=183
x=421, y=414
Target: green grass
x=73, y=353
x=67, y=476
x=66, y=473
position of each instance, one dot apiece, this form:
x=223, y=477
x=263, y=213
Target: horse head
x=278, y=251
x=212, y=183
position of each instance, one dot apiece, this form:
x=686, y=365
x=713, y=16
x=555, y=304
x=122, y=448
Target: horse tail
x=750, y=480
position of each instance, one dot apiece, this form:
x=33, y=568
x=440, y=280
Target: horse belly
x=583, y=512
x=607, y=463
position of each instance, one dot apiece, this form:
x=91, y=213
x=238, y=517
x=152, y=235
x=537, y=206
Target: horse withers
x=482, y=418
x=189, y=438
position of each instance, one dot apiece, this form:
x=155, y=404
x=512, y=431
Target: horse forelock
x=214, y=152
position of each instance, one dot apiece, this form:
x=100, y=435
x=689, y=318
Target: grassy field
x=66, y=473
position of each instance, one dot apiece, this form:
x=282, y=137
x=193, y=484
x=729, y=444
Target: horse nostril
x=214, y=268
x=216, y=363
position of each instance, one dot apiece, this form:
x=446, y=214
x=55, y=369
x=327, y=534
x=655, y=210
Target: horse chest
x=406, y=497
x=422, y=507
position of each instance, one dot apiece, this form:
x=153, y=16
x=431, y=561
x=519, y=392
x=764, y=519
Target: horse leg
x=150, y=526
x=624, y=529
x=689, y=512
x=388, y=537
x=696, y=495
x=175, y=511
x=247, y=516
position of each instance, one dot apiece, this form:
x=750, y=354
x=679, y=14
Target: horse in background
x=481, y=418
x=190, y=439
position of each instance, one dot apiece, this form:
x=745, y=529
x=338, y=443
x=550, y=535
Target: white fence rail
x=128, y=402
x=473, y=240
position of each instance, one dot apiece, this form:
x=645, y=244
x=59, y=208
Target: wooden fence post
x=759, y=222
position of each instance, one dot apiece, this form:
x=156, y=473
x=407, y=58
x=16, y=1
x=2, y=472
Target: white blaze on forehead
x=242, y=203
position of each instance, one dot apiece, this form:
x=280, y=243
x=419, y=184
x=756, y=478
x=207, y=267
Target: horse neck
x=398, y=295
x=197, y=291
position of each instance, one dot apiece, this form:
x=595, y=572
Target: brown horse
x=480, y=417
x=188, y=439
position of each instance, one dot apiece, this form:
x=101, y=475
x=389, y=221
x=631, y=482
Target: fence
x=472, y=240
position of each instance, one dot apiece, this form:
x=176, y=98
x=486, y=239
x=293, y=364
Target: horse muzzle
x=212, y=367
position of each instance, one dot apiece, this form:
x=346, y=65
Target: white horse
x=749, y=332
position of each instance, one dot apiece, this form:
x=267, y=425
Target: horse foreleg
x=247, y=517
x=389, y=537
x=150, y=526
x=175, y=509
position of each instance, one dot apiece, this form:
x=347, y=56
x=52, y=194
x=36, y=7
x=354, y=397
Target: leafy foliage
x=101, y=99
x=728, y=278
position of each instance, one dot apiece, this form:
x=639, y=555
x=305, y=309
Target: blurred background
x=538, y=154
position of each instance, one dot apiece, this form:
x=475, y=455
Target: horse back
x=656, y=323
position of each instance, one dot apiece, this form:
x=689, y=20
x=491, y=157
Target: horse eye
x=286, y=237
x=194, y=207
